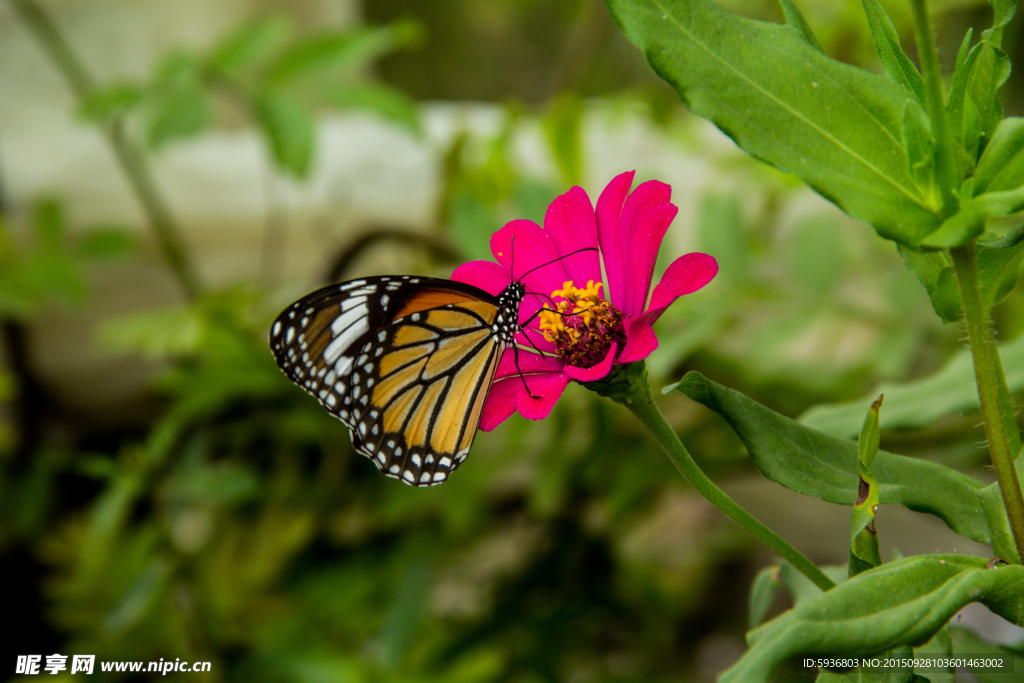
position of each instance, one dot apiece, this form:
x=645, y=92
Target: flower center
x=585, y=325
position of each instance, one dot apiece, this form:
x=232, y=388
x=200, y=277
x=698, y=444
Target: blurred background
x=174, y=172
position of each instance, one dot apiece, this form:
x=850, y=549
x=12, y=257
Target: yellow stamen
x=583, y=325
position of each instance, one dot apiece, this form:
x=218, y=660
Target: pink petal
x=640, y=340
x=530, y=246
x=686, y=274
x=611, y=237
x=548, y=389
x=492, y=278
x=499, y=404
x=596, y=372
x=486, y=275
x=644, y=242
x=571, y=225
x=507, y=394
x=529, y=364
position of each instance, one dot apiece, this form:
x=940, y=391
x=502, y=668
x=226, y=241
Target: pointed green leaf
x=795, y=18
x=379, y=99
x=289, y=130
x=958, y=92
x=178, y=115
x=1001, y=166
x=867, y=444
x=863, y=536
x=969, y=222
x=251, y=44
x=920, y=144
x=987, y=72
x=939, y=280
x=890, y=51
x=901, y=603
x=837, y=127
x=1003, y=545
x=345, y=49
x=103, y=104
x=1003, y=11
x=812, y=463
x=999, y=266
x=762, y=594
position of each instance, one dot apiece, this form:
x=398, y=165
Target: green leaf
x=289, y=129
x=177, y=104
x=916, y=404
x=999, y=266
x=815, y=464
x=103, y=104
x=1003, y=11
x=988, y=70
x=251, y=44
x=1003, y=544
x=920, y=144
x=937, y=276
x=762, y=594
x=346, y=49
x=795, y=18
x=901, y=603
x=969, y=222
x=1001, y=166
x=958, y=92
x=867, y=444
x=837, y=127
x=863, y=536
x=102, y=243
x=890, y=51
x=380, y=99
x=179, y=116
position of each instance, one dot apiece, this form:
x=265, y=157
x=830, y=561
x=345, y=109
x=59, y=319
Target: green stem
x=1004, y=440
x=132, y=162
x=945, y=169
x=646, y=410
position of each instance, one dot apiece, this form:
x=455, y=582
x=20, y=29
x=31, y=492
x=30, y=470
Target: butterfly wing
x=404, y=362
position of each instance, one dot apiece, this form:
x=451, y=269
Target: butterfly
x=404, y=362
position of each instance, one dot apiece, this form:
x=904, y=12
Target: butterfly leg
x=515, y=352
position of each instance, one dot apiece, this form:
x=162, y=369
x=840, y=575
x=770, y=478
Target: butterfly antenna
x=554, y=260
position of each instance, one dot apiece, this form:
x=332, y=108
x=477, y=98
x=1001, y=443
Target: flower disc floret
x=584, y=326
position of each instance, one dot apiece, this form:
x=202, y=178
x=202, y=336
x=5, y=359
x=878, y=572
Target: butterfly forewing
x=404, y=362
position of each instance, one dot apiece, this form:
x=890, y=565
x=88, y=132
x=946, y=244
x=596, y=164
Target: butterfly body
x=404, y=362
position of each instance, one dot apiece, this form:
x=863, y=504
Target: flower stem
x=131, y=159
x=647, y=411
x=1004, y=439
x=934, y=101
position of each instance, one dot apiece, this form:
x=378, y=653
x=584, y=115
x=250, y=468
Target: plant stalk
x=1004, y=439
x=945, y=170
x=647, y=411
x=132, y=161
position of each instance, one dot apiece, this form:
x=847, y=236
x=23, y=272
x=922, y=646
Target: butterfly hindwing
x=404, y=362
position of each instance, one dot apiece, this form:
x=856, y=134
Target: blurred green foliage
x=239, y=526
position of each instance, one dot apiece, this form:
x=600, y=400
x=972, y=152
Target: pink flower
x=627, y=228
